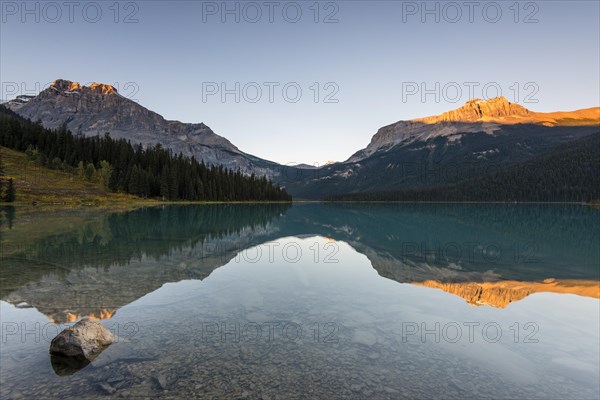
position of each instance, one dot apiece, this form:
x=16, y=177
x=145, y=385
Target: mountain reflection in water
x=92, y=263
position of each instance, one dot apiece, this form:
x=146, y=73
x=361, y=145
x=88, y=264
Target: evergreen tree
x=134, y=181
x=10, y=216
x=164, y=184
x=173, y=186
x=1, y=166
x=80, y=169
x=1, y=173
x=10, y=195
x=90, y=171
x=105, y=173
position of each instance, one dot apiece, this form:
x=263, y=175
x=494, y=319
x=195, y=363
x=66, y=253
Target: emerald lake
x=306, y=300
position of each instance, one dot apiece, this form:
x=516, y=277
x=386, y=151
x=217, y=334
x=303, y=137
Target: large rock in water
x=84, y=340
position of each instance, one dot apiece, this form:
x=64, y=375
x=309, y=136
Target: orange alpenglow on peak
x=64, y=85
x=102, y=88
x=74, y=86
x=501, y=111
x=480, y=110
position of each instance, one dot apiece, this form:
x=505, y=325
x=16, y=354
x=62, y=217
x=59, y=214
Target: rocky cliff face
x=63, y=86
x=478, y=110
x=99, y=108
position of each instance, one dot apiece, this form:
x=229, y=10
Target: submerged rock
x=106, y=388
x=161, y=379
x=83, y=341
x=64, y=366
x=366, y=338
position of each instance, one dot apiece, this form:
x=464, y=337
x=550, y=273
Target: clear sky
x=360, y=66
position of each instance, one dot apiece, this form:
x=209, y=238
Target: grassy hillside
x=43, y=185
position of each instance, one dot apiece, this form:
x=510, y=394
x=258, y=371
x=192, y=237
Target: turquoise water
x=315, y=300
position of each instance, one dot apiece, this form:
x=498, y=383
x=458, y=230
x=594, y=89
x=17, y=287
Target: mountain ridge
x=473, y=136
x=477, y=110
x=99, y=108
x=476, y=115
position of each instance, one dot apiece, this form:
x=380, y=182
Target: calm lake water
x=306, y=301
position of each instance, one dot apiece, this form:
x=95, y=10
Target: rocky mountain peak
x=63, y=85
x=98, y=109
x=479, y=110
x=476, y=116
x=103, y=88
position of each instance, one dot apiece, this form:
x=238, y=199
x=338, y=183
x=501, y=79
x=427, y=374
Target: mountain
x=99, y=108
x=153, y=172
x=474, y=140
x=475, y=116
x=569, y=173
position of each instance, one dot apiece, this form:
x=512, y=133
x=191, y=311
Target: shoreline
x=142, y=203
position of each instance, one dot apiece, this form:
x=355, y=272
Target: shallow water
x=318, y=301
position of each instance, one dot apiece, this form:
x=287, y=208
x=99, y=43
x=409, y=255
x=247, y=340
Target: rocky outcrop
x=500, y=110
x=479, y=110
x=102, y=88
x=84, y=340
x=62, y=85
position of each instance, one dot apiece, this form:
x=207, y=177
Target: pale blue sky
x=177, y=49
